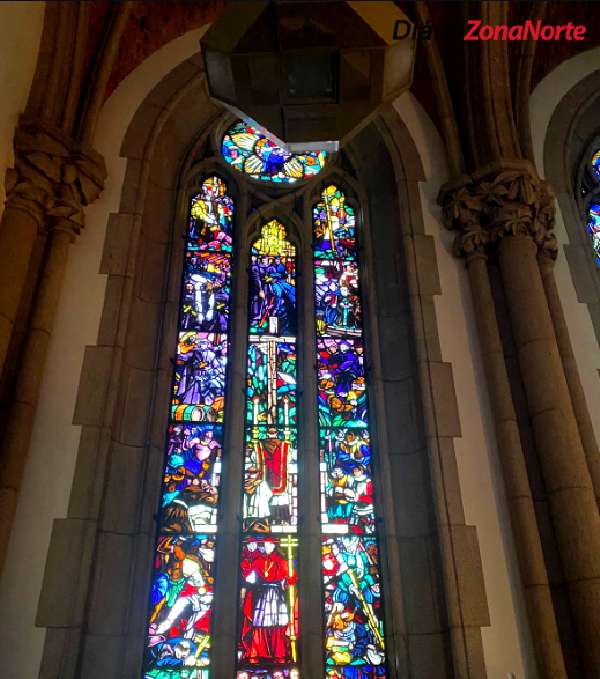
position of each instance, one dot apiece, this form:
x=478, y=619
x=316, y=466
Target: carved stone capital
x=53, y=176
x=507, y=200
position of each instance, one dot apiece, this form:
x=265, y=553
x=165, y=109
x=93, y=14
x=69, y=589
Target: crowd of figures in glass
x=179, y=631
x=268, y=627
x=354, y=642
x=248, y=149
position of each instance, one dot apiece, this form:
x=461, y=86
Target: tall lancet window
x=179, y=637
x=268, y=627
x=288, y=492
x=354, y=642
x=593, y=223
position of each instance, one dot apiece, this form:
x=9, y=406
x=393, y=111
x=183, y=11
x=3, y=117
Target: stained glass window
x=250, y=151
x=596, y=164
x=593, y=226
x=179, y=626
x=354, y=641
x=268, y=626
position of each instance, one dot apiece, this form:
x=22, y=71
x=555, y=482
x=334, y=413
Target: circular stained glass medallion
x=248, y=150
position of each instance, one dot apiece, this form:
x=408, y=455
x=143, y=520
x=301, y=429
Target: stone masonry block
x=469, y=572
x=142, y=334
x=95, y=376
x=66, y=574
x=151, y=270
x=404, y=430
x=411, y=496
x=88, y=481
x=116, y=244
x=419, y=586
x=112, y=584
x=426, y=264
x=122, y=496
x=397, y=359
x=428, y=658
x=139, y=130
x=584, y=275
x=102, y=656
x=444, y=400
x=61, y=650
x=136, y=406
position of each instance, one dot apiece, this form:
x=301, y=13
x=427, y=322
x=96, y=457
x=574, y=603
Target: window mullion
x=309, y=556
x=226, y=580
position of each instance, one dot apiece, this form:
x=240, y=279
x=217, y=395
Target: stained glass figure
x=206, y=291
x=181, y=604
x=272, y=283
x=341, y=383
x=337, y=302
x=250, y=151
x=271, y=480
x=179, y=636
x=268, y=603
x=596, y=164
x=268, y=631
x=354, y=642
x=191, y=478
x=346, y=481
x=199, y=388
x=211, y=218
x=334, y=227
x=593, y=227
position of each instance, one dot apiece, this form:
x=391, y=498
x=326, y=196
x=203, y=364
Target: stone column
x=28, y=193
x=45, y=161
x=71, y=179
x=582, y=414
x=470, y=244
x=514, y=210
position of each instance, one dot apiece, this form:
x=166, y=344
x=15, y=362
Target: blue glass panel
x=199, y=389
x=338, y=307
x=191, y=478
x=596, y=164
x=353, y=612
x=249, y=150
x=211, y=221
x=181, y=605
x=593, y=227
x=341, y=383
x=206, y=291
x=346, y=481
x=334, y=227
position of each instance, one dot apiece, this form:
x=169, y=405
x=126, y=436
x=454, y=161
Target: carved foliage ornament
x=53, y=178
x=509, y=202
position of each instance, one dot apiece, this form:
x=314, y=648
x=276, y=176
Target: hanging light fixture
x=312, y=73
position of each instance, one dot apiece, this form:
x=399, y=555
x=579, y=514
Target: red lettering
x=501, y=32
x=569, y=31
x=579, y=32
x=486, y=33
x=515, y=32
x=547, y=33
x=535, y=32
x=475, y=24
